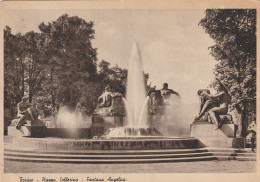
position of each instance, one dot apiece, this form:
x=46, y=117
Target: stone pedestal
x=7, y=121
x=35, y=129
x=68, y=132
x=100, y=124
x=207, y=129
x=210, y=136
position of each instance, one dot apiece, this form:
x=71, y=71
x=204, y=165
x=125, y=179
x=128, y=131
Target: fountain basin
x=131, y=132
x=105, y=144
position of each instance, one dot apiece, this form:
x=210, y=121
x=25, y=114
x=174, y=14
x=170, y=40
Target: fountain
x=68, y=119
x=134, y=139
x=135, y=95
x=136, y=103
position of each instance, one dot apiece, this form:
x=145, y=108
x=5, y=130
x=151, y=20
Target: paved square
x=178, y=167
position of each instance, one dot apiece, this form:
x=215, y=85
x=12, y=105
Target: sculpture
x=214, y=105
x=203, y=116
x=167, y=93
x=105, y=100
x=26, y=111
x=117, y=107
x=110, y=104
x=162, y=99
x=156, y=102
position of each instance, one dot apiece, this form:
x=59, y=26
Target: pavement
x=231, y=166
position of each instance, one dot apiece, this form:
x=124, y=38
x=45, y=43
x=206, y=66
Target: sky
x=174, y=48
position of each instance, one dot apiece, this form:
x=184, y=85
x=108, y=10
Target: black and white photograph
x=119, y=91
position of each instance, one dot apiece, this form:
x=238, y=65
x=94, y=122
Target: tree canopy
x=234, y=33
x=57, y=65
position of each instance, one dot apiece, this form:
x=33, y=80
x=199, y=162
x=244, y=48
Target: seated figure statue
x=117, y=107
x=110, y=103
x=203, y=116
x=26, y=112
x=214, y=105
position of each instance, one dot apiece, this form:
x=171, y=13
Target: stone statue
x=109, y=113
x=110, y=104
x=26, y=111
x=105, y=100
x=162, y=100
x=214, y=105
x=117, y=107
x=167, y=93
x=203, y=116
x=156, y=98
x=156, y=102
x=79, y=107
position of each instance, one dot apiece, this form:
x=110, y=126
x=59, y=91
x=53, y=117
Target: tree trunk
x=71, y=96
x=52, y=92
x=67, y=95
x=244, y=121
x=53, y=101
x=22, y=90
x=30, y=93
x=241, y=122
x=238, y=122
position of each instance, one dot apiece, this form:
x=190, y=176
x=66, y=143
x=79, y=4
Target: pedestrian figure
x=252, y=133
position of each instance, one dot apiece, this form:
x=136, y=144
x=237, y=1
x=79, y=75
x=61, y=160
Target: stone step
x=234, y=154
x=234, y=150
x=10, y=148
x=101, y=157
x=110, y=161
x=239, y=158
x=127, y=156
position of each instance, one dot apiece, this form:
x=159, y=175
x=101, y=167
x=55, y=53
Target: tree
x=114, y=76
x=70, y=56
x=33, y=62
x=23, y=65
x=13, y=67
x=58, y=65
x=234, y=33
